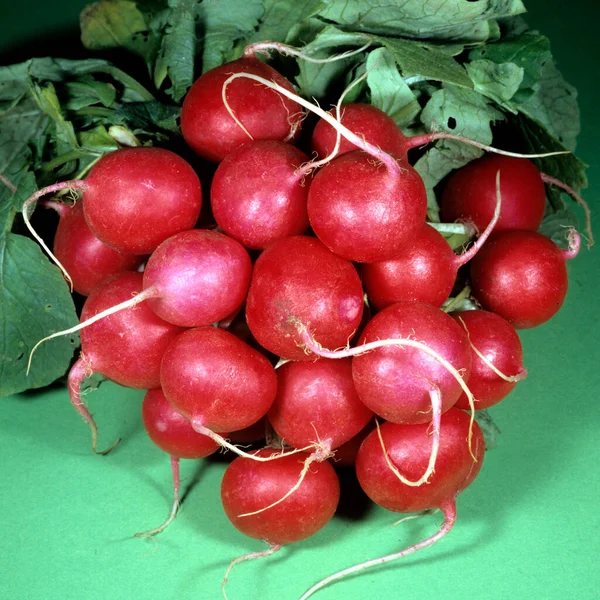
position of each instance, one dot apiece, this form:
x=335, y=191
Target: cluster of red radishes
x=307, y=352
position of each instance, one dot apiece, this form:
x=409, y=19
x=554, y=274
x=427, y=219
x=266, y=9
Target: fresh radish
x=316, y=403
x=497, y=357
x=298, y=278
x=395, y=382
x=126, y=347
x=407, y=447
x=207, y=124
x=88, y=261
x=364, y=120
x=135, y=198
x=249, y=485
x=217, y=381
x=258, y=194
x=364, y=211
x=470, y=194
x=173, y=434
x=522, y=276
x=425, y=270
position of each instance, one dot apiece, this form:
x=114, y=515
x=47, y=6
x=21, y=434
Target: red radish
x=211, y=131
x=522, y=276
x=217, y=381
x=173, y=434
x=126, y=347
x=249, y=485
x=197, y=277
x=425, y=270
x=171, y=431
x=366, y=212
x=138, y=197
x=88, y=261
x=316, y=403
x=408, y=448
x=258, y=195
x=497, y=357
x=298, y=278
x=470, y=194
x=365, y=120
x=395, y=382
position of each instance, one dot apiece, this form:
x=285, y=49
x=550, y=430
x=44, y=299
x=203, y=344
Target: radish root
x=250, y=556
x=449, y=510
x=77, y=375
x=75, y=184
x=586, y=209
x=151, y=292
x=436, y=407
x=175, y=506
x=286, y=50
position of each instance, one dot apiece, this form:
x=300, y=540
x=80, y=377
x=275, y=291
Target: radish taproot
x=522, y=276
x=126, y=347
x=173, y=434
x=408, y=448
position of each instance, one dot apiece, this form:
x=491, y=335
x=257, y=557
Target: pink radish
x=207, y=125
x=395, y=383
x=522, y=276
x=497, y=357
x=299, y=278
x=408, y=448
x=173, y=434
x=126, y=347
x=258, y=195
x=88, y=261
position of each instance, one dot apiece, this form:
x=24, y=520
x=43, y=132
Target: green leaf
x=317, y=80
x=389, y=92
x=557, y=224
x=490, y=430
x=459, y=111
x=280, y=16
x=87, y=92
x=554, y=106
x=222, y=25
x=149, y=116
x=499, y=82
x=529, y=51
x=110, y=24
x=176, y=56
x=435, y=19
x=98, y=140
x=426, y=61
x=34, y=302
x=20, y=126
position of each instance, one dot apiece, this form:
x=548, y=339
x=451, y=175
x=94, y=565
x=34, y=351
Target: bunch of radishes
x=240, y=324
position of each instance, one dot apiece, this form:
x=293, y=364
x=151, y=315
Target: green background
x=527, y=528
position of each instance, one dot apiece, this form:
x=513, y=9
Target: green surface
x=527, y=528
